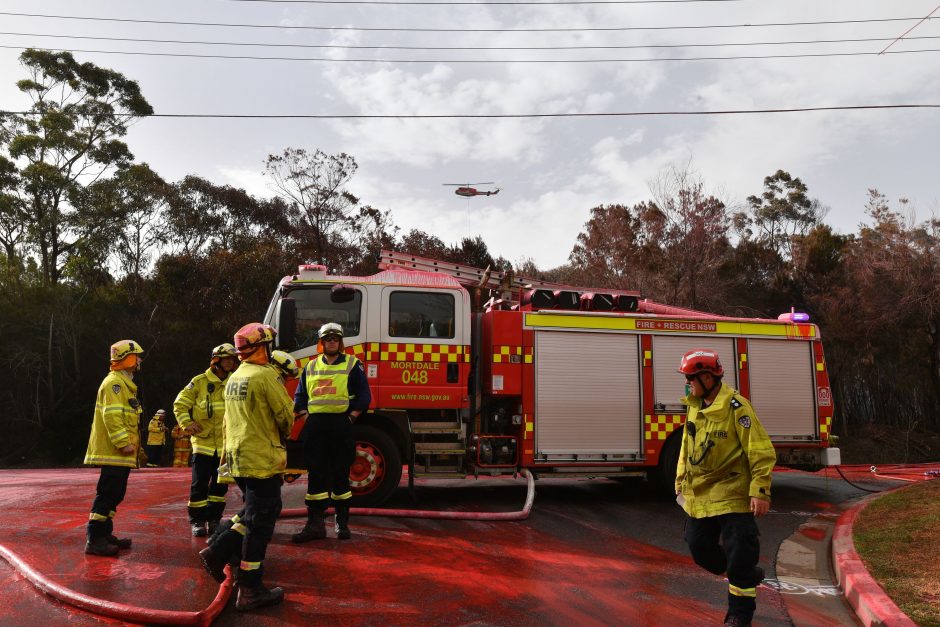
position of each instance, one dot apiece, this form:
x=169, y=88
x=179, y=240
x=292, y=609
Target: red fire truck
x=474, y=372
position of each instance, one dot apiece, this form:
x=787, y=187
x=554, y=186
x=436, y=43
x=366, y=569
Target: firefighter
x=333, y=392
x=182, y=447
x=723, y=481
x=113, y=446
x=156, y=438
x=200, y=410
x=258, y=417
x=287, y=369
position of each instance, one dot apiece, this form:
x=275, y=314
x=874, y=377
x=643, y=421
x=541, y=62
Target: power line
x=482, y=2
x=927, y=17
x=422, y=116
x=469, y=61
x=349, y=47
x=465, y=30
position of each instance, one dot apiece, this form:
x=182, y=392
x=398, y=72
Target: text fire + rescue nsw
x=676, y=325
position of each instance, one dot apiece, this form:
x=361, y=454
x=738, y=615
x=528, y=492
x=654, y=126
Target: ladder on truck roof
x=468, y=276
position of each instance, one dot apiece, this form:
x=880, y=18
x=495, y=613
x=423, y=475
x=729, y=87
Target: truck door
x=783, y=387
x=422, y=353
x=587, y=397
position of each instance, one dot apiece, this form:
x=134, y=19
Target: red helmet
x=253, y=335
x=701, y=360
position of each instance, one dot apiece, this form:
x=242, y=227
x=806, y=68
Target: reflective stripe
x=341, y=497
x=249, y=565
x=329, y=402
x=198, y=504
x=320, y=496
x=111, y=460
x=240, y=528
x=235, y=519
x=742, y=592
x=112, y=514
x=216, y=499
x=97, y=517
x=204, y=450
x=113, y=409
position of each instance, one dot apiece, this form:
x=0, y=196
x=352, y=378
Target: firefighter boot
x=121, y=543
x=100, y=546
x=342, y=520
x=199, y=530
x=213, y=563
x=212, y=526
x=315, y=529
x=253, y=597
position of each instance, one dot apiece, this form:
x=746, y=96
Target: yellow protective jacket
x=729, y=459
x=114, y=426
x=156, y=433
x=259, y=415
x=203, y=401
x=328, y=384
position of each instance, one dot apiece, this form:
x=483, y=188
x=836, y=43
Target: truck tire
x=376, y=470
x=665, y=475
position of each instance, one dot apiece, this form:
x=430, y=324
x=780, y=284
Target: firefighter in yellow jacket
x=200, y=410
x=113, y=446
x=156, y=438
x=723, y=481
x=182, y=447
x=258, y=418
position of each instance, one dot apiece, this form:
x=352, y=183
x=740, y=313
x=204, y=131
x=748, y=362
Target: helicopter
x=467, y=190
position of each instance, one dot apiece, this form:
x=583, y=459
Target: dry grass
x=898, y=538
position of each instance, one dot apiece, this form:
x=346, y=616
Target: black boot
x=253, y=597
x=100, y=546
x=315, y=529
x=213, y=563
x=212, y=526
x=121, y=543
x=222, y=527
x=342, y=520
x=199, y=530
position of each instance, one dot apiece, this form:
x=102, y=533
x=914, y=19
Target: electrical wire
x=422, y=116
x=349, y=47
x=482, y=2
x=190, y=55
x=466, y=30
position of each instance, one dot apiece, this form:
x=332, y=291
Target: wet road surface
x=593, y=552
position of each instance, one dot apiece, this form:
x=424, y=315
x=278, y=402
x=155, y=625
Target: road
x=593, y=552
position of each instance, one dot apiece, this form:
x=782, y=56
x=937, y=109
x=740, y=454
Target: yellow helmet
x=223, y=350
x=285, y=364
x=123, y=348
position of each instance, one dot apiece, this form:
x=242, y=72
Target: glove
x=141, y=457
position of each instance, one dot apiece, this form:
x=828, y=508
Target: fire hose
x=203, y=618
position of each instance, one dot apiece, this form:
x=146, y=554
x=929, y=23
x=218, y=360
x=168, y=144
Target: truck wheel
x=376, y=470
x=665, y=475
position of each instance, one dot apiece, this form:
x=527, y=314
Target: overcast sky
x=551, y=172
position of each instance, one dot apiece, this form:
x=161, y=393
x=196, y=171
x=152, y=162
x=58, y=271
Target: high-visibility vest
x=328, y=385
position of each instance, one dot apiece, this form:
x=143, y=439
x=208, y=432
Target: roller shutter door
x=587, y=388
x=668, y=384
x=783, y=387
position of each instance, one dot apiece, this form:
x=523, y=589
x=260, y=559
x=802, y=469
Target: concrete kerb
x=869, y=600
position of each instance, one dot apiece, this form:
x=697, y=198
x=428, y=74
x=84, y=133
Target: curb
x=864, y=595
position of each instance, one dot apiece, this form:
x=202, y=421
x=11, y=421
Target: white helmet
x=330, y=328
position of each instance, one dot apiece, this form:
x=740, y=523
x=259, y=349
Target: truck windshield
x=315, y=308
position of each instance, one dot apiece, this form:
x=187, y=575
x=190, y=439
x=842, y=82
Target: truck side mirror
x=287, y=324
x=341, y=293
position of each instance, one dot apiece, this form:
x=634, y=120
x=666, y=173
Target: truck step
x=439, y=448
x=422, y=428
x=437, y=474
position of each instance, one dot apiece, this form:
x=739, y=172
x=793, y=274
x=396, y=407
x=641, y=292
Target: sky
x=550, y=171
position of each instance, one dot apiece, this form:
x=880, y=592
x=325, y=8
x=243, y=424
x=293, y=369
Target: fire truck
x=474, y=372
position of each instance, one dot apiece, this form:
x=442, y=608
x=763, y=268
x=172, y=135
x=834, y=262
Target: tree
x=782, y=213
x=68, y=139
x=313, y=185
